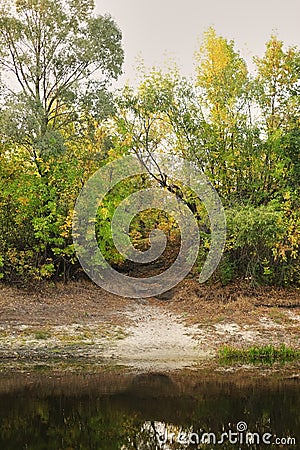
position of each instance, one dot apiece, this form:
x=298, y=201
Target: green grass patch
x=259, y=354
x=42, y=334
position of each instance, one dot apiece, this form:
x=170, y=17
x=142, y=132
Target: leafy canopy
x=60, y=59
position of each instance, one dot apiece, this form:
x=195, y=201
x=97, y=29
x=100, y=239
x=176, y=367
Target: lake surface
x=147, y=411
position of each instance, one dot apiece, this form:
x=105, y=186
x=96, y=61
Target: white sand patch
x=227, y=328
x=159, y=339
x=268, y=323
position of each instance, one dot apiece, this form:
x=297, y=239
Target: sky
x=161, y=30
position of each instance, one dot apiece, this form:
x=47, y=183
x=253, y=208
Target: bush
x=262, y=245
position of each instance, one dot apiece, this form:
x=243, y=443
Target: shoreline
x=81, y=322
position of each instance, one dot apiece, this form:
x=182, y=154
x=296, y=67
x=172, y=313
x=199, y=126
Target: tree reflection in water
x=144, y=412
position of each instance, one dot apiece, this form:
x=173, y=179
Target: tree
x=222, y=77
x=277, y=95
x=161, y=118
x=277, y=85
x=62, y=59
x=58, y=60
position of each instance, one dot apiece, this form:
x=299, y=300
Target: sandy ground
x=184, y=328
x=158, y=339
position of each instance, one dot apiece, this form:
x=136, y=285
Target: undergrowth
x=259, y=354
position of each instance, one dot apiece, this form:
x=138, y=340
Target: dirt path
x=158, y=339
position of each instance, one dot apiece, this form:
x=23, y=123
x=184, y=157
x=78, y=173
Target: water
x=146, y=411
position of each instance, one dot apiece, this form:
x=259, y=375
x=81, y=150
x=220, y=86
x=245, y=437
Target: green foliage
x=277, y=84
x=61, y=58
x=54, y=51
x=262, y=245
x=267, y=354
x=62, y=123
x=32, y=217
x=41, y=334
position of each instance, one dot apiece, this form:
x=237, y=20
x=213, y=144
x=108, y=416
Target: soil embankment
x=182, y=328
